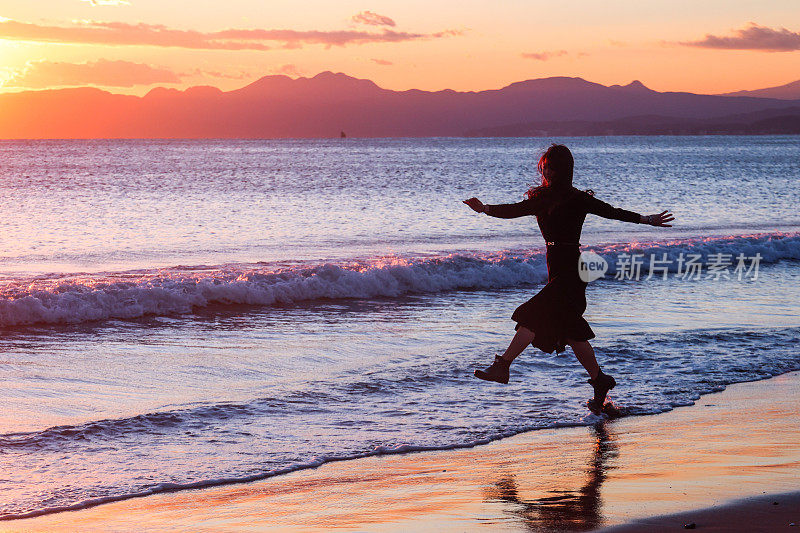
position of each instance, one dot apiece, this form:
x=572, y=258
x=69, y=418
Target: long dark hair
x=555, y=190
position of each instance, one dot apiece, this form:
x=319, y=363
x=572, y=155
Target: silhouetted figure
x=568, y=510
x=553, y=318
x=342, y=135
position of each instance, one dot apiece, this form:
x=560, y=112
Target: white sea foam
x=77, y=440
x=165, y=487
x=173, y=291
x=312, y=463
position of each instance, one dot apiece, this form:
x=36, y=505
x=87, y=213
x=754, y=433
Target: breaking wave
x=70, y=300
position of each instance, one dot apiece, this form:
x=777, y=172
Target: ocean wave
x=670, y=382
x=315, y=462
x=723, y=362
x=178, y=291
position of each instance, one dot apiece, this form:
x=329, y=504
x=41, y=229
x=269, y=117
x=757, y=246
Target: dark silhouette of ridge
x=328, y=103
x=635, y=85
x=789, y=91
x=324, y=84
x=782, y=121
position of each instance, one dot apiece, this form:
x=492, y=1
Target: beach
x=739, y=443
x=165, y=331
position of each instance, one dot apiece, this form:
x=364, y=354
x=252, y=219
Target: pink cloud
x=124, y=34
x=295, y=38
x=373, y=19
x=119, y=33
x=102, y=72
x=447, y=33
x=544, y=56
x=382, y=62
x=752, y=37
x=288, y=70
x=218, y=74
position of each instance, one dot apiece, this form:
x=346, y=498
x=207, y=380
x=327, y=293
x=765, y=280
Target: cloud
x=382, y=62
x=752, y=37
x=105, y=73
x=447, y=33
x=544, y=56
x=295, y=39
x=217, y=74
x=124, y=34
x=373, y=19
x=108, y=2
x=288, y=70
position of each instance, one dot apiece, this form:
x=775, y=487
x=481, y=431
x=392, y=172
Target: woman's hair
x=553, y=190
x=558, y=159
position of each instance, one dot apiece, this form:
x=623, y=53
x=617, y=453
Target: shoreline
x=765, y=513
x=569, y=479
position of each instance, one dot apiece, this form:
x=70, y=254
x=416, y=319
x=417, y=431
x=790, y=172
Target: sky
x=132, y=46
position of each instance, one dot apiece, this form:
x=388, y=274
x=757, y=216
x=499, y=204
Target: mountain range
x=790, y=91
x=330, y=103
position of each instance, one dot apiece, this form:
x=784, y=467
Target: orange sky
x=131, y=46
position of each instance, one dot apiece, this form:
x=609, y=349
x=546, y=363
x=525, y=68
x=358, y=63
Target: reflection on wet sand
x=566, y=509
x=546, y=480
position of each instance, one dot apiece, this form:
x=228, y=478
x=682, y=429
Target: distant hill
x=781, y=121
x=790, y=91
x=328, y=103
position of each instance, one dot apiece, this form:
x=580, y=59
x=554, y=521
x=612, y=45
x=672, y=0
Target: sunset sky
x=132, y=46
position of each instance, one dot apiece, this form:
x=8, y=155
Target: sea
x=178, y=314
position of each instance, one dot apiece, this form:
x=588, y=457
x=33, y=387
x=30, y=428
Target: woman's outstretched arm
x=601, y=208
x=519, y=209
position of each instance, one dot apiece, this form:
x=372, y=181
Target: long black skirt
x=555, y=313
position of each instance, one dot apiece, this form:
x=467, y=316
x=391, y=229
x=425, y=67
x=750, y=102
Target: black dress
x=555, y=314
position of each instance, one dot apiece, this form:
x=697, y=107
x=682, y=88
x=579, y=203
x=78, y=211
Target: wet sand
x=755, y=515
x=742, y=442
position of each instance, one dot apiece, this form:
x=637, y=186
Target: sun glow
x=400, y=46
x=6, y=73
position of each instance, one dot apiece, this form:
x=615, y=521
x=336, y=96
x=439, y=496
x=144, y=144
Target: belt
x=550, y=243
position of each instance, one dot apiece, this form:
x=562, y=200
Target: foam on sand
x=557, y=479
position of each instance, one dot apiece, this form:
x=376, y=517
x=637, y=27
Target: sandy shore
x=739, y=443
x=755, y=515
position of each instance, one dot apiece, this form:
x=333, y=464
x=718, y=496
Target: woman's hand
x=659, y=219
x=475, y=204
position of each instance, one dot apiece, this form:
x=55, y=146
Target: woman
x=553, y=318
